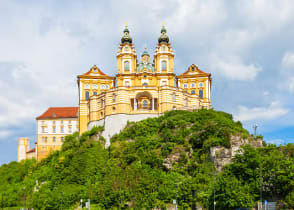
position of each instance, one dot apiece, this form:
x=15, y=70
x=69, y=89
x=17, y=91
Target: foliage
x=133, y=172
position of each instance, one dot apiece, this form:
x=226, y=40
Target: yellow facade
x=139, y=89
x=142, y=87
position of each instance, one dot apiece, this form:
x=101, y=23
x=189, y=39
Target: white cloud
x=276, y=141
x=274, y=110
x=291, y=84
x=233, y=68
x=288, y=61
x=4, y=134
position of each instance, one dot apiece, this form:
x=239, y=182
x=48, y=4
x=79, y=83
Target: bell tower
x=126, y=54
x=164, y=55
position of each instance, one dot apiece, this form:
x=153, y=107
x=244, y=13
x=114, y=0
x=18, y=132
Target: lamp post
x=213, y=191
x=24, y=197
x=176, y=196
x=260, y=183
x=255, y=129
x=61, y=200
x=2, y=201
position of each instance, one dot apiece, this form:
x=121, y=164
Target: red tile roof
x=60, y=112
x=32, y=150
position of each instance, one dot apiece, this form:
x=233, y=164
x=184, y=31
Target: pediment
x=95, y=71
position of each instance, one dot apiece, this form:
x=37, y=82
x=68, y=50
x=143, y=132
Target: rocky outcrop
x=222, y=156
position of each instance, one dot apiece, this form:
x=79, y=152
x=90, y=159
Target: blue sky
x=246, y=45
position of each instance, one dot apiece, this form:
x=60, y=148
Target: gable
x=193, y=69
x=95, y=71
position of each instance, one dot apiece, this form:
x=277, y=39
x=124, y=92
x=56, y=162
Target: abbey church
x=142, y=87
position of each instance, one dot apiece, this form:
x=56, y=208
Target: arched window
x=192, y=91
x=201, y=93
x=87, y=95
x=145, y=103
x=163, y=65
x=145, y=84
x=127, y=65
x=94, y=93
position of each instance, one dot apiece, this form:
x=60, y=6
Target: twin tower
x=140, y=89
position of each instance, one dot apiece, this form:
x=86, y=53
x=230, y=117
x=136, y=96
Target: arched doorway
x=144, y=101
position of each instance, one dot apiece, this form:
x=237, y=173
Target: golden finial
x=163, y=23
x=126, y=24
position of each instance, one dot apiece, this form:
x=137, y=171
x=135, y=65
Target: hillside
x=150, y=163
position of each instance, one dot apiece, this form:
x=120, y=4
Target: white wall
x=113, y=124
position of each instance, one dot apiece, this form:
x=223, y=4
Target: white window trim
x=144, y=81
x=127, y=80
x=130, y=64
x=185, y=84
x=192, y=85
x=160, y=62
x=162, y=80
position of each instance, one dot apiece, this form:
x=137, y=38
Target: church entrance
x=144, y=101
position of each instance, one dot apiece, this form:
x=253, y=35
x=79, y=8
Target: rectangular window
x=54, y=139
x=61, y=139
x=54, y=129
x=61, y=129
x=200, y=93
x=113, y=98
x=87, y=95
x=69, y=122
x=174, y=97
x=95, y=86
x=54, y=122
x=43, y=129
x=193, y=85
x=185, y=85
x=44, y=139
x=69, y=129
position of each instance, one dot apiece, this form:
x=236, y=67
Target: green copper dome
x=126, y=37
x=145, y=52
x=163, y=37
